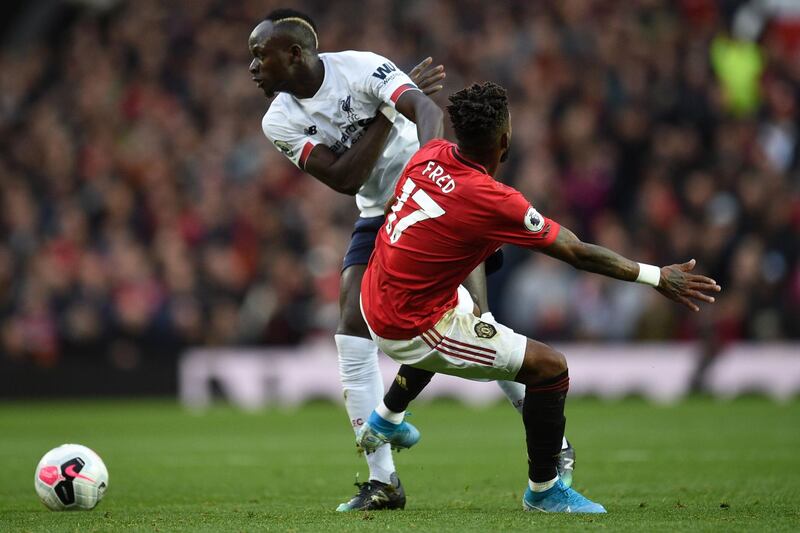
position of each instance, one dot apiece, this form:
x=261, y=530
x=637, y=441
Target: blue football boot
x=378, y=431
x=559, y=499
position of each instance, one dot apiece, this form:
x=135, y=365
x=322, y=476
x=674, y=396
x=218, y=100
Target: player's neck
x=489, y=161
x=310, y=80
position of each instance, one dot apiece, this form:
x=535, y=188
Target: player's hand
x=678, y=284
x=428, y=78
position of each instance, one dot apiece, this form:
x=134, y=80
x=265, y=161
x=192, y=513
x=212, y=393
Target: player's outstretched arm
x=676, y=282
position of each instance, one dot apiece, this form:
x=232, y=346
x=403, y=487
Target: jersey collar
x=463, y=160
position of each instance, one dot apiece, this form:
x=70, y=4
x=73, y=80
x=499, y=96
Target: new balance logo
x=311, y=130
x=384, y=71
x=380, y=497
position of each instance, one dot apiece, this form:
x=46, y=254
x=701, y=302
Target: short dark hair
x=479, y=114
x=303, y=24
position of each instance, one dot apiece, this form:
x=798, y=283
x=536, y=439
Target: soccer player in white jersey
x=353, y=120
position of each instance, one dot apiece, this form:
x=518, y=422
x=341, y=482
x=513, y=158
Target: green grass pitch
x=703, y=465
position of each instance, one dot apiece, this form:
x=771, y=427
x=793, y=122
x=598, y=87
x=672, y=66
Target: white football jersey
x=355, y=85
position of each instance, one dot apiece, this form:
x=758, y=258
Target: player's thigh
x=462, y=344
x=475, y=348
x=540, y=362
x=362, y=243
x=351, y=322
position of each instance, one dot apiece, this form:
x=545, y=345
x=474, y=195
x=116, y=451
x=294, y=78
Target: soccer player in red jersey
x=449, y=215
x=352, y=120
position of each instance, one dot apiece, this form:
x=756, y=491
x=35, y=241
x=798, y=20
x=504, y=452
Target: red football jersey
x=448, y=217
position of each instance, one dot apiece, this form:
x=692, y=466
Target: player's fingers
x=702, y=286
x=705, y=281
x=685, y=301
x=430, y=73
x=424, y=63
x=430, y=79
x=697, y=295
x=432, y=90
x=689, y=265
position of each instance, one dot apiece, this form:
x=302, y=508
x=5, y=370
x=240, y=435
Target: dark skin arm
x=677, y=283
x=476, y=285
x=421, y=110
x=348, y=172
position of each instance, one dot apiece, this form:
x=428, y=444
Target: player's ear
x=295, y=53
x=505, y=140
x=505, y=145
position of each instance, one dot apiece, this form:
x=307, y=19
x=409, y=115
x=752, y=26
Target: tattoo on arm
x=591, y=257
x=677, y=282
x=607, y=262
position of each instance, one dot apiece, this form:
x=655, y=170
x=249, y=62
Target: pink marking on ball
x=49, y=475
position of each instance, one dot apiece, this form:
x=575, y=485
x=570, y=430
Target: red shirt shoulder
x=433, y=149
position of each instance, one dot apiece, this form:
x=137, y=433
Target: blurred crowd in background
x=143, y=210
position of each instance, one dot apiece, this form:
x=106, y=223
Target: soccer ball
x=71, y=477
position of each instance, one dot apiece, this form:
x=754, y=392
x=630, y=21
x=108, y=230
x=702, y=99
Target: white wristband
x=389, y=112
x=649, y=274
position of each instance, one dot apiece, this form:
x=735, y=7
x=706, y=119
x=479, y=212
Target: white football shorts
x=461, y=344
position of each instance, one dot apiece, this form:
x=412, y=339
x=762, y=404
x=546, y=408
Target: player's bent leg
x=463, y=345
x=380, y=429
x=362, y=385
x=386, y=424
x=545, y=375
x=515, y=392
x=351, y=322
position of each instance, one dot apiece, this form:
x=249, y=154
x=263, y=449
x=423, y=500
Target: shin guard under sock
x=406, y=386
x=543, y=416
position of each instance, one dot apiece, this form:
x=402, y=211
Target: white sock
x=363, y=390
x=515, y=392
x=541, y=487
x=389, y=415
x=381, y=465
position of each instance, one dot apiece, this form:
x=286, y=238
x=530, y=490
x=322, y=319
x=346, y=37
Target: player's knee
x=554, y=363
x=541, y=362
x=358, y=360
x=351, y=322
x=357, y=371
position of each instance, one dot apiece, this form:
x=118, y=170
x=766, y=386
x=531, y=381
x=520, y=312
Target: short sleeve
x=384, y=80
x=291, y=142
x=508, y=217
